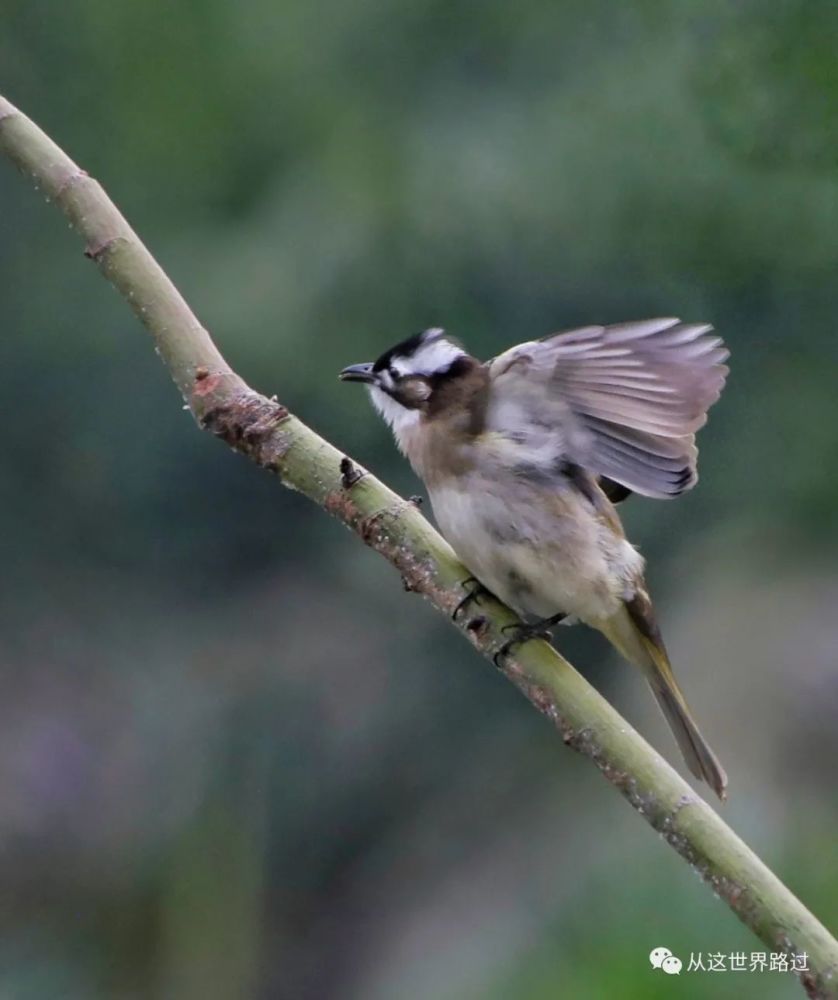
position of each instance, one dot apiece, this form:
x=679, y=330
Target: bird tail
x=635, y=634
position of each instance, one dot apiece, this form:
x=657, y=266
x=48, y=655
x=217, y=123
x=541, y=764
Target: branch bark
x=268, y=434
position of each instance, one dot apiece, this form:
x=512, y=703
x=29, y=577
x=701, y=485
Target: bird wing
x=622, y=401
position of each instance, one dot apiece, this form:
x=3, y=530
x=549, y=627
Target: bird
x=526, y=456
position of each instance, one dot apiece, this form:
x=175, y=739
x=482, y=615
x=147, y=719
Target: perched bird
x=524, y=457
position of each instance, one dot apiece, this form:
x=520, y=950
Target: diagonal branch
x=267, y=433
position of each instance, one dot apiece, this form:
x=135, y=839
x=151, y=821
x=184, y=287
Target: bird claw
x=473, y=587
x=524, y=633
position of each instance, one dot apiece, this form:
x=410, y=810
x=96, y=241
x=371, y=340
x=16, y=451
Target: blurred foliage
x=235, y=760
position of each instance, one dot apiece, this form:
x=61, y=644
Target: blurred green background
x=236, y=759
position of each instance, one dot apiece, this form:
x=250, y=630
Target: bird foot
x=474, y=588
x=526, y=632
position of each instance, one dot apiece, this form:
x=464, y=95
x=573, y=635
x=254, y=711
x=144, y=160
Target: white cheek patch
x=436, y=355
x=401, y=419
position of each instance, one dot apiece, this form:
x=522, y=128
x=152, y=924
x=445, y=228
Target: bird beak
x=359, y=373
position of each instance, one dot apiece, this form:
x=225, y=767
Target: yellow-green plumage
x=649, y=654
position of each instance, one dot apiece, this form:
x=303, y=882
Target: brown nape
x=460, y=395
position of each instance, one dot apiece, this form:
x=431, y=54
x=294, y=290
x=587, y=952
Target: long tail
x=634, y=632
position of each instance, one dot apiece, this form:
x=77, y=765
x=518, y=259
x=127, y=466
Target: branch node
x=246, y=423
x=349, y=474
x=258, y=430
x=417, y=501
x=96, y=251
x=72, y=178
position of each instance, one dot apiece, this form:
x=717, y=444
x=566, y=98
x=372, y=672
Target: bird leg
x=525, y=632
x=473, y=588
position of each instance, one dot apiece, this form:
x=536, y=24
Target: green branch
x=268, y=434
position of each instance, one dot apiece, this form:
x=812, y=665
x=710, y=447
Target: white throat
x=401, y=419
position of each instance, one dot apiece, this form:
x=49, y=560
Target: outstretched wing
x=622, y=401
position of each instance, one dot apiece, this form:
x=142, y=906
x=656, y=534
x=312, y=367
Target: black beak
x=359, y=373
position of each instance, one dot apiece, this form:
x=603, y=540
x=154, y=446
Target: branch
x=268, y=434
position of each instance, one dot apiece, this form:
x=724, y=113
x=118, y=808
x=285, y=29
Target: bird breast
x=541, y=549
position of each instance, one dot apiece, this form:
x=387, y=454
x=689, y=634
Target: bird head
x=410, y=379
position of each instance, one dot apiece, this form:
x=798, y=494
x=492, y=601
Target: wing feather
x=623, y=401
